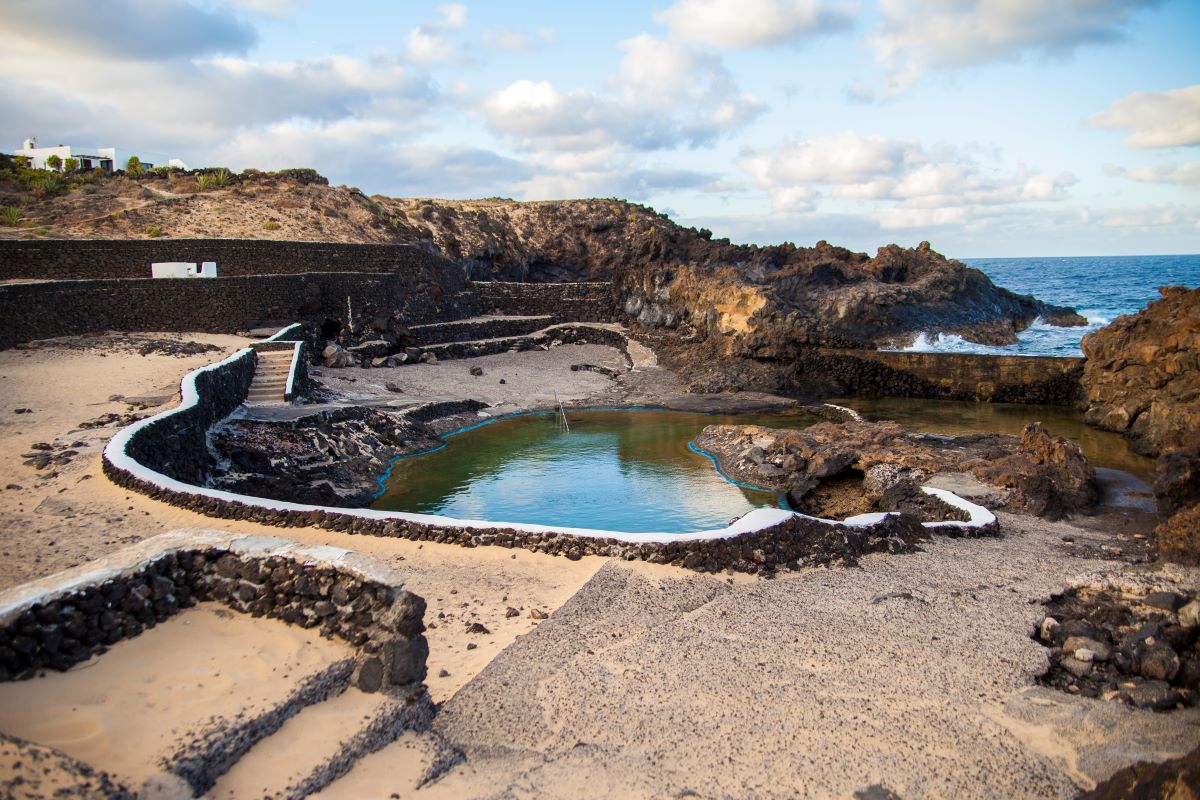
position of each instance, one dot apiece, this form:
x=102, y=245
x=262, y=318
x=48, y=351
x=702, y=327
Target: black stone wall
x=565, y=302
x=177, y=445
x=62, y=259
x=30, y=311
x=383, y=622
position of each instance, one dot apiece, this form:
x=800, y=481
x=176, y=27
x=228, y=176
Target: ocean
x=1101, y=288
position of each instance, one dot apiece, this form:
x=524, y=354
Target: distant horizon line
x=1093, y=255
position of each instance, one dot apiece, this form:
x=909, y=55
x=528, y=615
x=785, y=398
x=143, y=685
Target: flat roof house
x=105, y=158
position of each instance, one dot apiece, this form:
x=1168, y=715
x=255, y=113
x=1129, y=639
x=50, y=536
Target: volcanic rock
x=1045, y=475
x=1142, y=374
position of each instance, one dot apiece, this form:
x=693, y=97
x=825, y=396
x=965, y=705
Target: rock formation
x=1142, y=375
x=757, y=302
x=329, y=458
x=1142, y=379
x=856, y=467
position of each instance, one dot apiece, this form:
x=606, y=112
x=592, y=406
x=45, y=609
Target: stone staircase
x=270, y=378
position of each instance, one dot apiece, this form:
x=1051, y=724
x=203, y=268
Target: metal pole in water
x=562, y=411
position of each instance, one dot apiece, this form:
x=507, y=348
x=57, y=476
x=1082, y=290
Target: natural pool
x=628, y=470
x=1102, y=448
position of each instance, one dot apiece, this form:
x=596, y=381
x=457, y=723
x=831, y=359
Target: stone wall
x=563, y=334
x=1039, y=380
x=44, y=310
x=64, y=259
x=565, y=302
x=67, y=618
x=177, y=445
x=467, y=330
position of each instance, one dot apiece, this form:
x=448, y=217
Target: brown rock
x=1176, y=779
x=1142, y=374
x=1179, y=537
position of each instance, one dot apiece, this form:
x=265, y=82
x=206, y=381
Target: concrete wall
x=953, y=376
x=63, y=259
x=43, y=310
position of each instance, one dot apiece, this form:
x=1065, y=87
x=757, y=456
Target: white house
x=183, y=269
x=105, y=158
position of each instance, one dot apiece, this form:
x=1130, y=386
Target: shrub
x=10, y=216
x=271, y=225
x=134, y=166
x=71, y=164
x=153, y=231
x=46, y=184
x=213, y=180
x=54, y=162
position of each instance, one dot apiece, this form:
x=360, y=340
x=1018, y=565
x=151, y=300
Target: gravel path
x=914, y=672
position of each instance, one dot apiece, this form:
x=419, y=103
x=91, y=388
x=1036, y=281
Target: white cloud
x=434, y=42
x=1186, y=175
x=904, y=183
x=751, y=23
x=959, y=33
x=1155, y=119
x=272, y=8
x=510, y=41
x=663, y=95
x=145, y=30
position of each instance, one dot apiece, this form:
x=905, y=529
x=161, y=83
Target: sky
x=990, y=128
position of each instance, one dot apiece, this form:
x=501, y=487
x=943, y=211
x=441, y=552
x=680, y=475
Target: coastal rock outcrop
x=1142, y=374
x=756, y=302
x=858, y=467
x=1142, y=379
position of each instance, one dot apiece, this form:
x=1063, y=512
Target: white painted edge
x=277, y=336
x=758, y=519
x=850, y=412
x=291, y=381
x=132, y=558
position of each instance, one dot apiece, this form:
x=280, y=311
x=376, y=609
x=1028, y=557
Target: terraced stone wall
x=565, y=302
x=42, y=310
x=73, y=259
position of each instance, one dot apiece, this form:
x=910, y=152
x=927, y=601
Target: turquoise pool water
x=615, y=470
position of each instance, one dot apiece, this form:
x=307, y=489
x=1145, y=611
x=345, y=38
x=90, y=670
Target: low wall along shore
x=1041, y=380
x=143, y=457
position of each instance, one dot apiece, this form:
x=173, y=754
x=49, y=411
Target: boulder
x=1142, y=374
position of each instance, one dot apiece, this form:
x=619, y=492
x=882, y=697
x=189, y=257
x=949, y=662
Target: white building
x=105, y=158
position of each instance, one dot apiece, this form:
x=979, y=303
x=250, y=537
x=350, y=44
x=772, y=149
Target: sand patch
x=123, y=711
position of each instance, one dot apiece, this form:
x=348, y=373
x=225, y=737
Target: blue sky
x=988, y=127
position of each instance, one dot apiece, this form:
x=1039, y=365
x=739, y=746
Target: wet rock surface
x=1141, y=648
x=330, y=458
x=857, y=467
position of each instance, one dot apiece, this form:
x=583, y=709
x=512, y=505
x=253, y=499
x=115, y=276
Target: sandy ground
x=643, y=681
x=126, y=709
